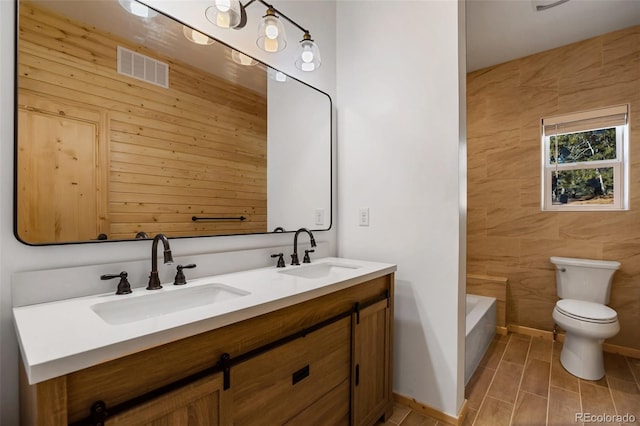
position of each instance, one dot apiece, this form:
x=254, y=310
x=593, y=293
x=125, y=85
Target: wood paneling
x=508, y=234
x=198, y=147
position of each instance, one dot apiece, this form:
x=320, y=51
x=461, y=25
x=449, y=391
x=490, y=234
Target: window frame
x=620, y=164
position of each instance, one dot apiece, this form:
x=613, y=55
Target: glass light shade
x=271, y=34
x=242, y=59
x=138, y=9
x=196, y=36
x=309, y=57
x=224, y=13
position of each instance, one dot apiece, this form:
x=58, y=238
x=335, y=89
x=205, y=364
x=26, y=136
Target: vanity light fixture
x=271, y=31
x=138, y=9
x=309, y=57
x=226, y=13
x=271, y=34
x=242, y=59
x=196, y=36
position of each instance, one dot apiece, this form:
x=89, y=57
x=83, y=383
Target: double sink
x=152, y=304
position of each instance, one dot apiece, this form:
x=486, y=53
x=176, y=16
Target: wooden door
x=370, y=366
x=198, y=404
x=59, y=172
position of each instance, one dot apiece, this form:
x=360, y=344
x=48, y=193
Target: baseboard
x=607, y=347
x=432, y=412
x=534, y=332
x=502, y=330
x=621, y=350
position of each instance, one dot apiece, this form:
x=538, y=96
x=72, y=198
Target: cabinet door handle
x=300, y=374
x=357, y=374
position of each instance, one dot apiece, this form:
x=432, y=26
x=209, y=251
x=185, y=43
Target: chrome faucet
x=294, y=256
x=154, y=280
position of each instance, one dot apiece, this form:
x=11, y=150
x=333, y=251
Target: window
x=585, y=160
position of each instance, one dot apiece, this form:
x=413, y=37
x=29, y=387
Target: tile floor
x=520, y=381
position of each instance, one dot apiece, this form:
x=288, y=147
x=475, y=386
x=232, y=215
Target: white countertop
x=58, y=338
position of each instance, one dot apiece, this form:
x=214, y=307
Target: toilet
x=584, y=286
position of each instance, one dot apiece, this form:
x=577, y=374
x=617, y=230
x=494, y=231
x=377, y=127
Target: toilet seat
x=586, y=311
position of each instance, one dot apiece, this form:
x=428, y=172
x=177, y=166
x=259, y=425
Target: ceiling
x=502, y=30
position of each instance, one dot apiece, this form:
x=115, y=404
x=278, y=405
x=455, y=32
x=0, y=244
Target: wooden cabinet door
x=200, y=403
x=60, y=173
x=370, y=368
x=276, y=386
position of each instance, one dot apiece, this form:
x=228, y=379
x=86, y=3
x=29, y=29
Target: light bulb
x=223, y=5
x=223, y=20
x=270, y=45
x=307, y=54
x=271, y=29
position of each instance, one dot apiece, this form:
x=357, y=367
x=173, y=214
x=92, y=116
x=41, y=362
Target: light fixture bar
x=541, y=7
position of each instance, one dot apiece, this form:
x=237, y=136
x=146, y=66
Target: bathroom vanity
x=308, y=344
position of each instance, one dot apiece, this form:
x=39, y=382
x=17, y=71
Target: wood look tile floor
x=520, y=381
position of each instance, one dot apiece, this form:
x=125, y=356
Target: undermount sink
x=151, y=305
x=319, y=270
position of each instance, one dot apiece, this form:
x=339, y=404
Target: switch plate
x=363, y=216
x=320, y=217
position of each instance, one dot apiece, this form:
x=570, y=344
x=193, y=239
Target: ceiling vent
x=143, y=67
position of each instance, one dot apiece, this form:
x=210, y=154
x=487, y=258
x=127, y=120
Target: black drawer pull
x=299, y=375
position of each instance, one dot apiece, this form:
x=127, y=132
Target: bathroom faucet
x=294, y=256
x=154, y=280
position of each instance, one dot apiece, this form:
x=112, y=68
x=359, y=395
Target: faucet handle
x=180, y=279
x=123, y=286
x=306, y=258
x=280, y=257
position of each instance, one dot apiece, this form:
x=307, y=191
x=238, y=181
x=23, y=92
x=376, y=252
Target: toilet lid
x=589, y=311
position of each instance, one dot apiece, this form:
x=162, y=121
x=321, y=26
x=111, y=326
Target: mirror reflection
x=132, y=125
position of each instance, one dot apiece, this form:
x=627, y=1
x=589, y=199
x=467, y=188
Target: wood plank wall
x=508, y=234
x=197, y=148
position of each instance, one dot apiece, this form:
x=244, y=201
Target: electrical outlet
x=363, y=216
x=320, y=217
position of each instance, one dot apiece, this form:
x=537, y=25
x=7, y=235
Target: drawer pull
x=299, y=375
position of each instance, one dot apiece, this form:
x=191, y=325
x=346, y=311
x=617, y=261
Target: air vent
x=143, y=67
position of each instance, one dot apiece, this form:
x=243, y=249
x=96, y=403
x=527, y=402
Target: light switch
x=363, y=216
x=320, y=217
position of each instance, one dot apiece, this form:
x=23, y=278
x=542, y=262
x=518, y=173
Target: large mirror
x=128, y=126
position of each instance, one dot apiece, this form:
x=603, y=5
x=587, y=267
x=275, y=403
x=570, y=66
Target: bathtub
x=481, y=327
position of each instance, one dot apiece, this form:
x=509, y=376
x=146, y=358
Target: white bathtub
x=481, y=327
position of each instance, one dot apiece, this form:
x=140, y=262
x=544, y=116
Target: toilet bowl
x=584, y=287
x=587, y=325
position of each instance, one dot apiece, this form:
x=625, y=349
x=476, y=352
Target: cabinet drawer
x=274, y=387
x=331, y=409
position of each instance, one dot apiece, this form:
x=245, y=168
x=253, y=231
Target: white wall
x=399, y=154
x=319, y=16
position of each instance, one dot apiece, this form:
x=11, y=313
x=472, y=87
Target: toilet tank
x=584, y=279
